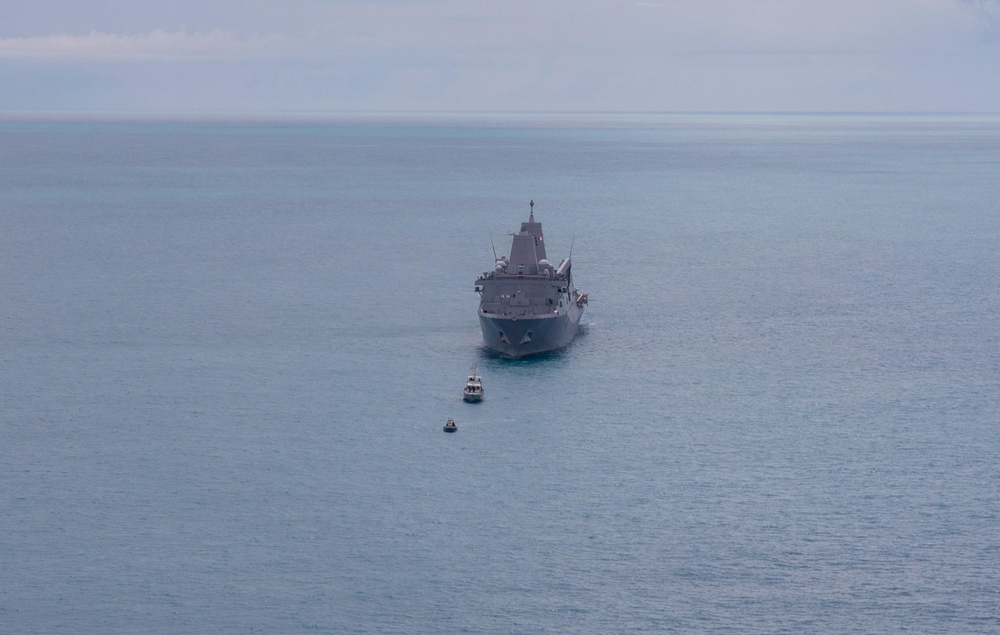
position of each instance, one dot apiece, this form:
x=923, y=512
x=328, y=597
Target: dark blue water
x=227, y=350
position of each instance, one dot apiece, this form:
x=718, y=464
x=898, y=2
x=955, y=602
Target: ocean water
x=227, y=349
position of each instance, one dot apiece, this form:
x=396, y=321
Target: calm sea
x=227, y=349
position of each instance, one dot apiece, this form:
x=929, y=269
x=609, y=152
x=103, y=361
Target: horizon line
x=331, y=115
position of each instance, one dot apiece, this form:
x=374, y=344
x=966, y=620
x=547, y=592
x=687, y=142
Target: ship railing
x=522, y=276
x=518, y=311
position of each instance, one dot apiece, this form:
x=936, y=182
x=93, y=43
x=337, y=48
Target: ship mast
x=531, y=219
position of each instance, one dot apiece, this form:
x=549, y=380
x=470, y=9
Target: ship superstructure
x=527, y=304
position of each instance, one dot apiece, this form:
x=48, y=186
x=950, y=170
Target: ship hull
x=516, y=337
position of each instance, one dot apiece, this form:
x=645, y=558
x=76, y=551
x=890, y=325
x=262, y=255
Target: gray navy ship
x=526, y=304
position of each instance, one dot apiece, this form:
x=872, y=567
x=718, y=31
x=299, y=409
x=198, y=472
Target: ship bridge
x=527, y=248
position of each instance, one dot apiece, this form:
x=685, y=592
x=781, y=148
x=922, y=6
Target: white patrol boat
x=473, y=387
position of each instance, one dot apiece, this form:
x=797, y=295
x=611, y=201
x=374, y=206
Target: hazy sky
x=499, y=55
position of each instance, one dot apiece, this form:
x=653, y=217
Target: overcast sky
x=246, y=56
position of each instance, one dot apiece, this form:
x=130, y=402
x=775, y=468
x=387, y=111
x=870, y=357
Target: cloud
x=343, y=32
x=657, y=26
x=988, y=12
x=516, y=54
x=155, y=45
